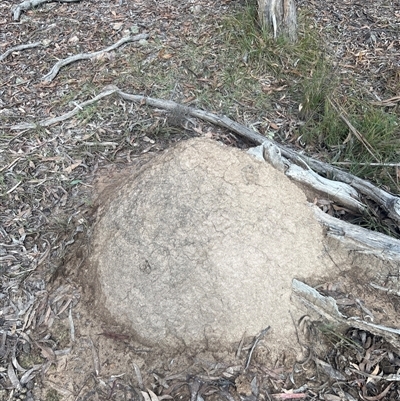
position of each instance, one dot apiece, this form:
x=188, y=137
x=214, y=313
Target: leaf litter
x=46, y=178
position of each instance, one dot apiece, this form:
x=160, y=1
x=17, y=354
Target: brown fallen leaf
x=72, y=167
x=376, y=397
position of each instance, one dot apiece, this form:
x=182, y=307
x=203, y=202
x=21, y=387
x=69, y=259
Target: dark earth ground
x=51, y=347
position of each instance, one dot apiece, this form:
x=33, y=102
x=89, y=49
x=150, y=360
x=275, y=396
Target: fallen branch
x=359, y=238
x=54, y=120
x=336, y=191
x=18, y=48
x=327, y=307
x=86, y=56
x=388, y=102
x=333, y=191
x=27, y=5
x=390, y=203
x=387, y=201
x=346, y=195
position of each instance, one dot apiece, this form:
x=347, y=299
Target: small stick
x=18, y=48
x=28, y=4
x=353, y=130
x=367, y=164
x=85, y=56
x=253, y=347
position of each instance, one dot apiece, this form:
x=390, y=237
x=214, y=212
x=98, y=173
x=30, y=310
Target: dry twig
x=253, y=347
x=388, y=102
x=86, y=56
x=353, y=130
x=18, y=48
x=28, y=4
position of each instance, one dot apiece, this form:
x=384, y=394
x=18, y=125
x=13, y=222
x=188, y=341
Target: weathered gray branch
x=336, y=184
x=335, y=191
x=390, y=203
x=327, y=307
x=18, y=48
x=359, y=238
x=86, y=56
x=28, y=4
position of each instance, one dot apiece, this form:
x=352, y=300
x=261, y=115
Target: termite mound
x=198, y=245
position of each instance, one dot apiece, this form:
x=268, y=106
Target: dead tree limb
x=390, y=203
x=28, y=4
x=18, y=48
x=336, y=184
x=86, y=56
x=327, y=307
x=54, y=120
x=336, y=191
x=359, y=238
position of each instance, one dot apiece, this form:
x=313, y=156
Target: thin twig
x=388, y=102
x=18, y=48
x=50, y=121
x=86, y=56
x=367, y=164
x=14, y=187
x=356, y=133
x=253, y=347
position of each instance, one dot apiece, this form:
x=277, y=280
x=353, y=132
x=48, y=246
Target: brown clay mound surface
x=200, y=246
